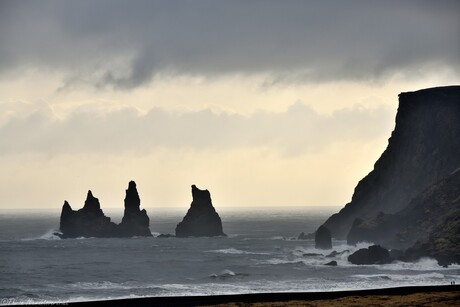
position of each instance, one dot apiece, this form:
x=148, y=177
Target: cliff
x=423, y=148
x=430, y=224
x=201, y=219
x=90, y=220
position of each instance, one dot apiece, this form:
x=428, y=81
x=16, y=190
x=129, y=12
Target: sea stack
x=89, y=221
x=424, y=148
x=323, y=238
x=201, y=220
x=135, y=222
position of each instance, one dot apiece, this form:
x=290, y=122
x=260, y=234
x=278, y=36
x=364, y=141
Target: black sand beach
x=408, y=296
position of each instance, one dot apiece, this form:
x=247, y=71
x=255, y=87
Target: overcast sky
x=262, y=102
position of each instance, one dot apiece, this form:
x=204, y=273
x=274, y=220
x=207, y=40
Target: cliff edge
x=423, y=148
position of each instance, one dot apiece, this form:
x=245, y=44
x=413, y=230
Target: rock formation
x=323, y=238
x=90, y=221
x=443, y=243
x=201, y=219
x=424, y=147
x=418, y=220
x=431, y=221
x=375, y=254
x=135, y=222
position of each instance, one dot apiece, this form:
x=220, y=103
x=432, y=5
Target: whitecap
x=227, y=273
x=49, y=235
x=424, y=264
x=224, y=274
x=234, y=251
x=101, y=285
x=413, y=278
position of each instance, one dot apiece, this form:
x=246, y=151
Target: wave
x=311, y=256
x=235, y=252
x=424, y=264
x=49, y=235
x=224, y=274
x=108, y=285
x=101, y=285
x=426, y=277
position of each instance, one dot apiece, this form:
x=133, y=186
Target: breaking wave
x=235, y=251
x=49, y=235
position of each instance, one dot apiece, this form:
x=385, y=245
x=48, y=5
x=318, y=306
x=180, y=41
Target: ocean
x=260, y=254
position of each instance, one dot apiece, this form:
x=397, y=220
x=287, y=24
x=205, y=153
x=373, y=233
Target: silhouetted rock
x=433, y=219
x=201, y=219
x=375, y=254
x=323, y=238
x=331, y=263
x=90, y=221
x=135, y=222
x=424, y=148
x=430, y=224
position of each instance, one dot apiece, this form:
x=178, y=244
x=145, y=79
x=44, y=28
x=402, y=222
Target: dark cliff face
x=424, y=147
x=201, y=219
x=90, y=220
x=430, y=223
x=433, y=219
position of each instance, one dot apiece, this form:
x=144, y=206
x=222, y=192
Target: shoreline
x=284, y=297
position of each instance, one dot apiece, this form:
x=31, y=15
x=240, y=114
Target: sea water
x=260, y=254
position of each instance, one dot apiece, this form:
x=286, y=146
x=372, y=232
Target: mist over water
x=260, y=254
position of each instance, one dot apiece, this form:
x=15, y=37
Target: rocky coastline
x=409, y=203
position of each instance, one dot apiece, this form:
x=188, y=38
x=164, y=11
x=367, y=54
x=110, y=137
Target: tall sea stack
x=424, y=148
x=201, y=220
x=323, y=238
x=135, y=222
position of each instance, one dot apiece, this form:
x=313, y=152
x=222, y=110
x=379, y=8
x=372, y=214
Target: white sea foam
x=402, y=277
x=101, y=285
x=49, y=235
x=234, y=251
x=424, y=264
x=224, y=274
x=227, y=273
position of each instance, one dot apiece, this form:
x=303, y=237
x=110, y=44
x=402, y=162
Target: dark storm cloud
x=299, y=130
x=127, y=43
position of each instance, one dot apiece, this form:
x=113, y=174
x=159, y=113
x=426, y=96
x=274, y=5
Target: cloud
x=124, y=45
x=298, y=130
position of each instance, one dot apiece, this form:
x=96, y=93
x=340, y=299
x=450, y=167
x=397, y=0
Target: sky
x=264, y=103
